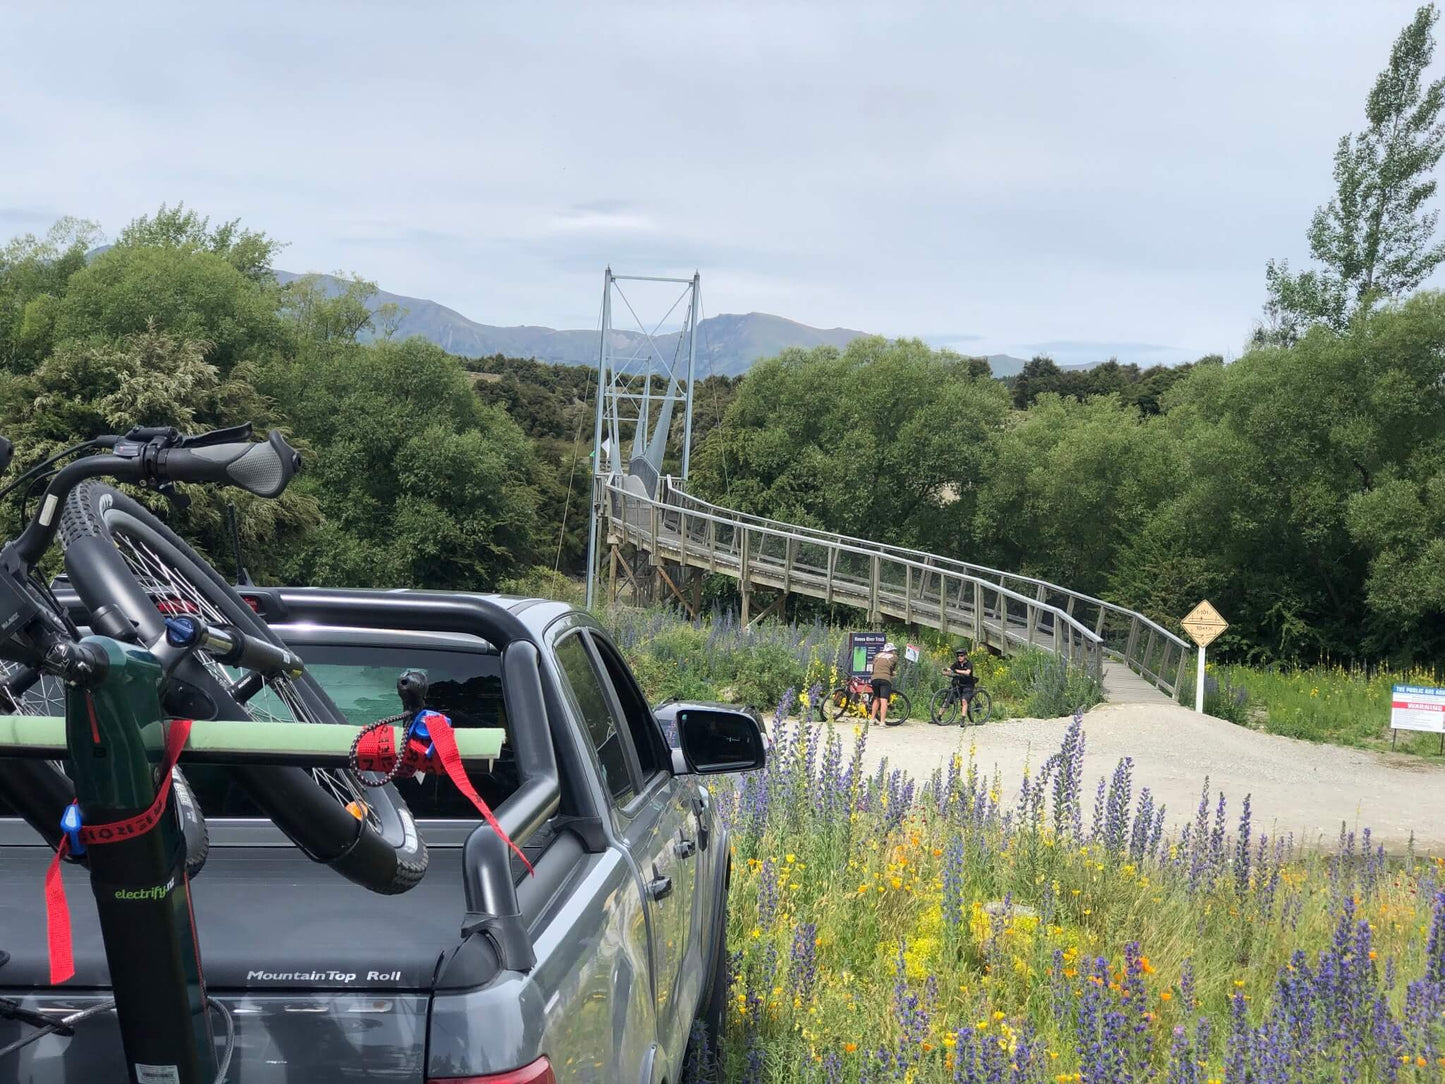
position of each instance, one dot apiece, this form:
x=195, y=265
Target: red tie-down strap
x=57, y=911
x=375, y=751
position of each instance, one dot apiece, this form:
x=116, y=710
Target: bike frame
x=142, y=894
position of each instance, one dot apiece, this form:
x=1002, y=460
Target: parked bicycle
x=856, y=697
x=949, y=706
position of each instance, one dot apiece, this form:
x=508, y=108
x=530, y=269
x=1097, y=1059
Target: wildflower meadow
x=890, y=929
x=1325, y=703
x=719, y=658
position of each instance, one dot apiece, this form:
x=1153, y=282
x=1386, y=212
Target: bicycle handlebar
x=159, y=457
x=264, y=469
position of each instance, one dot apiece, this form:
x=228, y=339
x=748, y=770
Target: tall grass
x=1345, y=706
x=718, y=658
x=883, y=930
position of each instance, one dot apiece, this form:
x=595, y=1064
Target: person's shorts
x=965, y=691
x=882, y=689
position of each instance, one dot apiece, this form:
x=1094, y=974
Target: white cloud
x=1110, y=172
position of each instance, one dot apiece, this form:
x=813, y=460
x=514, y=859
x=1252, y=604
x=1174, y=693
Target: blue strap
x=70, y=824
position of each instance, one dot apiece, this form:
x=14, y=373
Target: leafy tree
x=324, y=315
x=1373, y=238
x=85, y=388
x=248, y=251
x=885, y=439
x=34, y=275
x=1038, y=376
x=185, y=292
x=418, y=483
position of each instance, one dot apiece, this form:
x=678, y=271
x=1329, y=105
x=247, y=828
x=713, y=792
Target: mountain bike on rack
x=951, y=705
x=171, y=640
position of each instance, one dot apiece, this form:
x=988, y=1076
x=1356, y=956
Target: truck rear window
x=361, y=680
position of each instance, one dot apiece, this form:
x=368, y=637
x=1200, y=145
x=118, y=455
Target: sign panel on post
x=911, y=652
x=862, y=646
x=1203, y=624
x=1417, y=707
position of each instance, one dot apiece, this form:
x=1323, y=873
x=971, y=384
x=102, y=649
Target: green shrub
x=1050, y=687
x=1225, y=697
x=764, y=673
x=539, y=581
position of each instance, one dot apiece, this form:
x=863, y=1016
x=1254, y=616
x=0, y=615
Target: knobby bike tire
x=117, y=554
x=841, y=700
x=980, y=707
x=943, y=708
x=899, y=708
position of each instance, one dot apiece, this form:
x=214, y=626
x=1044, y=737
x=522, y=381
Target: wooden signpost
x=1203, y=625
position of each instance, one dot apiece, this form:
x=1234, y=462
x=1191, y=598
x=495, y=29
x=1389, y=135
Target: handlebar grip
x=264, y=469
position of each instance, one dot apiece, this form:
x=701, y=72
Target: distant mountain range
x=726, y=345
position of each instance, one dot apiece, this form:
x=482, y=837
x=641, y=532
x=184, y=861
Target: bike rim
x=172, y=591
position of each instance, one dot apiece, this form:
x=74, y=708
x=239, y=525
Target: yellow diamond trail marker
x=1203, y=625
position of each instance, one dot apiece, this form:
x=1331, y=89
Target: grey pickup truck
x=597, y=967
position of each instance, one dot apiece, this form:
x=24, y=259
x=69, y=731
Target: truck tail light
x=539, y=1072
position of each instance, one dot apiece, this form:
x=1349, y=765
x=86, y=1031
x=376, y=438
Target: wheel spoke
x=279, y=702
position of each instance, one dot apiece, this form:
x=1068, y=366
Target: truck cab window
x=591, y=703
x=646, y=737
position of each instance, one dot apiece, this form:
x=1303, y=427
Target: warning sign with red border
x=1417, y=707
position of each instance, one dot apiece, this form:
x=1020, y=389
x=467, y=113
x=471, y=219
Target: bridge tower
x=642, y=376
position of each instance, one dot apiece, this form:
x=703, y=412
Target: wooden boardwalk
x=679, y=535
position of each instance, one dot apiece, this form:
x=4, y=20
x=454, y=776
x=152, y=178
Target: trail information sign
x=1204, y=624
x=1417, y=707
x=911, y=652
x=862, y=646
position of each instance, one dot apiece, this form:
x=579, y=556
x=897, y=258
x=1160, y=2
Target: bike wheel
x=899, y=707
x=943, y=708
x=980, y=707
x=840, y=702
x=119, y=555
x=39, y=790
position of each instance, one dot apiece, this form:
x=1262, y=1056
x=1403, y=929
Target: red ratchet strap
x=57, y=912
x=376, y=752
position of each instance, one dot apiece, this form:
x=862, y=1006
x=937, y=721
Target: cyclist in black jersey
x=964, y=679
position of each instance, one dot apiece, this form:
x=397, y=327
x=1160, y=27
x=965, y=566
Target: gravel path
x=1295, y=786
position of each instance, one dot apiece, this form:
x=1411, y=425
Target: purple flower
x=803, y=963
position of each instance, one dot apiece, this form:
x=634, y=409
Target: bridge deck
x=1001, y=609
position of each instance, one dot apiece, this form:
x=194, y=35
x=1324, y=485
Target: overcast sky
x=1088, y=179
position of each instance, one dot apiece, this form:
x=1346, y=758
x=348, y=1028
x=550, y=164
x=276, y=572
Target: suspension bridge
x=653, y=539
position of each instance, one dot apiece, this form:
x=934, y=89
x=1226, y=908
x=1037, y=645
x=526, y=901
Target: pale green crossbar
x=322, y=745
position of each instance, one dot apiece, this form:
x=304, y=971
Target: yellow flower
x=850, y=1048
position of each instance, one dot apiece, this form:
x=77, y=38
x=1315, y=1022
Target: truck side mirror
x=717, y=740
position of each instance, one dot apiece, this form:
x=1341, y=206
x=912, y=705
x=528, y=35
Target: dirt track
x=1295, y=786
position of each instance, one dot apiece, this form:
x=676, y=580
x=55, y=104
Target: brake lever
x=235, y=434
x=144, y=434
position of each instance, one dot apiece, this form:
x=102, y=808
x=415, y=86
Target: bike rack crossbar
x=313, y=745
